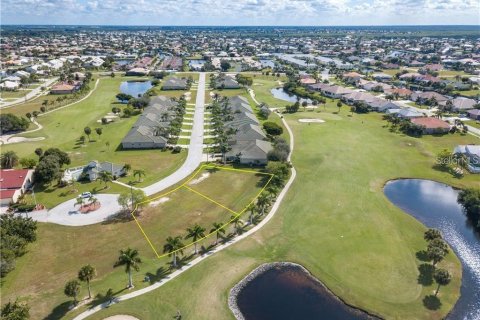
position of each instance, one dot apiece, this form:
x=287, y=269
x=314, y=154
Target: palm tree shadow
x=425, y=278
x=432, y=302
x=161, y=273
x=59, y=311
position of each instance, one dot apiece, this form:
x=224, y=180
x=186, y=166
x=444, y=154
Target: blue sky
x=241, y=12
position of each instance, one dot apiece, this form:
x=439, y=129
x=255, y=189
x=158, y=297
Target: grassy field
x=14, y=94
x=335, y=221
x=469, y=93
x=60, y=251
x=63, y=128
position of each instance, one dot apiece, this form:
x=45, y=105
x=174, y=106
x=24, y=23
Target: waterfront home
x=472, y=155
x=175, y=83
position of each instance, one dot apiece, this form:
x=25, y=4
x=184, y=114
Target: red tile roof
x=7, y=194
x=431, y=123
x=12, y=179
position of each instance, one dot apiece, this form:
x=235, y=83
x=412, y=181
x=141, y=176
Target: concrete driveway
x=67, y=213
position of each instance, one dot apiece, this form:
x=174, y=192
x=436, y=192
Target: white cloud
x=240, y=12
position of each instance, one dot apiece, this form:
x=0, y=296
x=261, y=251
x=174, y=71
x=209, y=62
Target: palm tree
x=105, y=176
x=9, y=160
x=127, y=168
x=196, y=232
x=251, y=208
x=92, y=199
x=218, y=228
x=173, y=245
x=130, y=259
x=263, y=201
x=237, y=223
x=442, y=278
x=86, y=274
x=80, y=201
x=72, y=288
x=139, y=173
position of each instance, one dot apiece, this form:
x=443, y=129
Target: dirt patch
x=159, y=201
x=199, y=179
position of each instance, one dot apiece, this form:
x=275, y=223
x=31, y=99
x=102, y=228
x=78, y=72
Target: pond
x=135, y=88
x=267, y=63
x=435, y=205
x=287, y=291
x=279, y=93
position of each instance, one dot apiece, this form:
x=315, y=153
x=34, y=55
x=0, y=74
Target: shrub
x=177, y=149
x=10, y=122
x=272, y=128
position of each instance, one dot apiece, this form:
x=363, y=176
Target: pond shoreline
x=235, y=291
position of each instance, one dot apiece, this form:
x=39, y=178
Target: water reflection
x=435, y=205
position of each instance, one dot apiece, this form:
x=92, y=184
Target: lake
x=288, y=291
x=435, y=205
x=135, y=88
x=279, y=93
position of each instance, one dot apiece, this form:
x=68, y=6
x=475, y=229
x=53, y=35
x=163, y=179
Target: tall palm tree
x=196, y=232
x=263, y=201
x=237, y=223
x=130, y=259
x=218, y=228
x=173, y=245
x=9, y=160
x=251, y=208
x=86, y=274
x=139, y=173
x=105, y=176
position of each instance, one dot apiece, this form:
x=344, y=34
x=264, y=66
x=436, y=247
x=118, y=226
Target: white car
x=86, y=195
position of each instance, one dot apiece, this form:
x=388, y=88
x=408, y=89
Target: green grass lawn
x=335, y=221
x=473, y=123
x=469, y=93
x=14, y=94
x=60, y=251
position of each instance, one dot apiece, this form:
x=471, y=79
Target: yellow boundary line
x=184, y=185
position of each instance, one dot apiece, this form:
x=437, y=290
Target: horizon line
x=239, y=25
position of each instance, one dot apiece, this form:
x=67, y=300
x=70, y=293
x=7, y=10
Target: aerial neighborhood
x=153, y=172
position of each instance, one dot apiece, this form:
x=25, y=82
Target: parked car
x=86, y=195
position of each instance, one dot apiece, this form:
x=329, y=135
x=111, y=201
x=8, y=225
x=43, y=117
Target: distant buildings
x=472, y=155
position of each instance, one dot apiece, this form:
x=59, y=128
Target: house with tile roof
x=14, y=183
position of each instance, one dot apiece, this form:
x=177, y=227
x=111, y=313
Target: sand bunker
x=19, y=139
x=311, y=120
x=159, y=201
x=199, y=179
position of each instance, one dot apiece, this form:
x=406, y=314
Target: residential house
x=14, y=183
x=175, y=83
x=92, y=171
x=431, y=125
x=146, y=132
x=65, y=87
x=474, y=114
x=382, y=77
x=423, y=97
x=172, y=63
x=336, y=91
x=226, y=82
x=463, y=104
x=352, y=77
x=250, y=152
x=9, y=85
x=472, y=154
x=408, y=113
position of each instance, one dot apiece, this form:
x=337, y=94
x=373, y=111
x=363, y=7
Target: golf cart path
x=199, y=259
